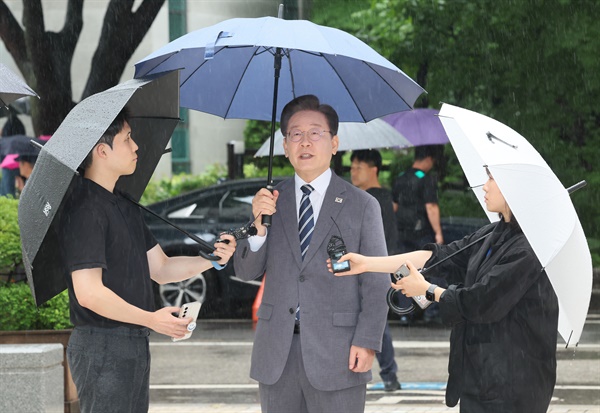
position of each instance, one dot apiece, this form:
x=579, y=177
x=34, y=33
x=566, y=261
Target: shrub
x=158, y=190
x=10, y=239
x=19, y=311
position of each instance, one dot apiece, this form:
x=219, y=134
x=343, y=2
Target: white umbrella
x=538, y=200
x=353, y=136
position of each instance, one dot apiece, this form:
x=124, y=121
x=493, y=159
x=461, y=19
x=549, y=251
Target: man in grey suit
x=317, y=334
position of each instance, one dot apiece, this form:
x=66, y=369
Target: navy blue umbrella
x=249, y=68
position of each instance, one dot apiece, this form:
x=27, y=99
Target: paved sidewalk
x=372, y=407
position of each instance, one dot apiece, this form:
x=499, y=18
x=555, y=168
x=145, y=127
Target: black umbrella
x=20, y=145
x=12, y=87
x=154, y=105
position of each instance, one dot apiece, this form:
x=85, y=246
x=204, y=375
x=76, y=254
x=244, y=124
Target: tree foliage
x=530, y=64
x=45, y=58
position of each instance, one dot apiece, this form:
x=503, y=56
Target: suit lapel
x=333, y=202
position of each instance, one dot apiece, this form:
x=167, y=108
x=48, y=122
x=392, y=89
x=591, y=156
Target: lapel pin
x=339, y=200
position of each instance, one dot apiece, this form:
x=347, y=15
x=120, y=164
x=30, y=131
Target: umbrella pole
x=425, y=270
x=203, y=244
x=266, y=219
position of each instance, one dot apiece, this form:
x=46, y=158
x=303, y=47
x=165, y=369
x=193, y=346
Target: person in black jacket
x=502, y=309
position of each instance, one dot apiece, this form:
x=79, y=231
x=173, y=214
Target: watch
x=430, y=293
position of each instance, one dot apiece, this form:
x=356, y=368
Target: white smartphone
x=189, y=310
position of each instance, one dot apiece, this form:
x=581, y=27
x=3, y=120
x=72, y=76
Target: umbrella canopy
x=419, y=126
x=154, y=105
x=251, y=68
x=227, y=70
x=538, y=200
x=20, y=145
x=12, y=87
x=353, y=136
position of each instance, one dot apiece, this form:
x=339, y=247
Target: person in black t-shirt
x=416, y=202
x=364, y=173
x=111, y=257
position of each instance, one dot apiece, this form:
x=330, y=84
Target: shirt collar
x=97, y=190
x=319, y=184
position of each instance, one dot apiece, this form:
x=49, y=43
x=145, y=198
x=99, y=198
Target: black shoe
x=391, y=385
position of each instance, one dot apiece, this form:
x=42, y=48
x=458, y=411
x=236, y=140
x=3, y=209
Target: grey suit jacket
x=335, y=312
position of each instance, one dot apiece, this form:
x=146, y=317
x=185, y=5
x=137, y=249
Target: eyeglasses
x=314, y=134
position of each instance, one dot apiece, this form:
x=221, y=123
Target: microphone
x=335, y=249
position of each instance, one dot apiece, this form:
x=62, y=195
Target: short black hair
x=309, y=102
x=372, y=157
x=115, y=127
x=422, y=152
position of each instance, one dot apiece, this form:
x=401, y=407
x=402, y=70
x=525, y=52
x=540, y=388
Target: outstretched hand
x=357, y=264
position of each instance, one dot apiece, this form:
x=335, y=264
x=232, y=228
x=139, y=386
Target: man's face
x=123, y=156
x=362, y=174
x=310, y=158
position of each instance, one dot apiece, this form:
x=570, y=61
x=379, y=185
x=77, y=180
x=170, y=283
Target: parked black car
x=206, y=213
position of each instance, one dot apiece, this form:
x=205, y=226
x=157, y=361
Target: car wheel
x=197, y=288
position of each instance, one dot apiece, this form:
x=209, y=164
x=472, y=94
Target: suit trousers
x=293, y=393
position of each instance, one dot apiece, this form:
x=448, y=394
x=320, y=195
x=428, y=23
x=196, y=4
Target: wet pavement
x=209, y=372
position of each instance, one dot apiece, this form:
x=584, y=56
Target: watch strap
x=430, y=293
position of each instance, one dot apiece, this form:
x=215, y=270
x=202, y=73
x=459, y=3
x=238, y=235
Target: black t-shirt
x=100, y=229
x=412, y=190
x=384, y=197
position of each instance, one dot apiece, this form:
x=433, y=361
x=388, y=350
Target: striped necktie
x=306, y=222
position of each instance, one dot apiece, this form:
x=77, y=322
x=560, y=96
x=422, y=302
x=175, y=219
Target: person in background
x=316, y=337
x=418, y=215
x=416, y=202
x=26, y=163
x=502, y=308
x=364, y=172
x=12, y=126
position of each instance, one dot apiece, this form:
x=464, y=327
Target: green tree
x=532, y=65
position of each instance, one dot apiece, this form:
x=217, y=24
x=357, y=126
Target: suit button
x=301, y=278
x=292, y=311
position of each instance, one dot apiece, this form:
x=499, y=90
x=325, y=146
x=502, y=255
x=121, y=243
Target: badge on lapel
x=339, y=200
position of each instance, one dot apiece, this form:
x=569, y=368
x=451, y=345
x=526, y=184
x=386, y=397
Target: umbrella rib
x=325, y=57
x=287, y=53
x=346, y=86
x=237, y=86
x=206, y=60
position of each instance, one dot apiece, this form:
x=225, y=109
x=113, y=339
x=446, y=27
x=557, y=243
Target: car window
x=236, y=206
x=228, y=206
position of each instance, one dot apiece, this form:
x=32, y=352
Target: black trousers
x=110, y=368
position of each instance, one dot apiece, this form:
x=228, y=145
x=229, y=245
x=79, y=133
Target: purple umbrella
x=419, y=126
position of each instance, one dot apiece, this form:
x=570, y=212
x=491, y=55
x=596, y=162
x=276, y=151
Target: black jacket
x=504, y=317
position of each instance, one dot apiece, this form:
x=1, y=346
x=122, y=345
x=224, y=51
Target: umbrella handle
x=266, y=219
